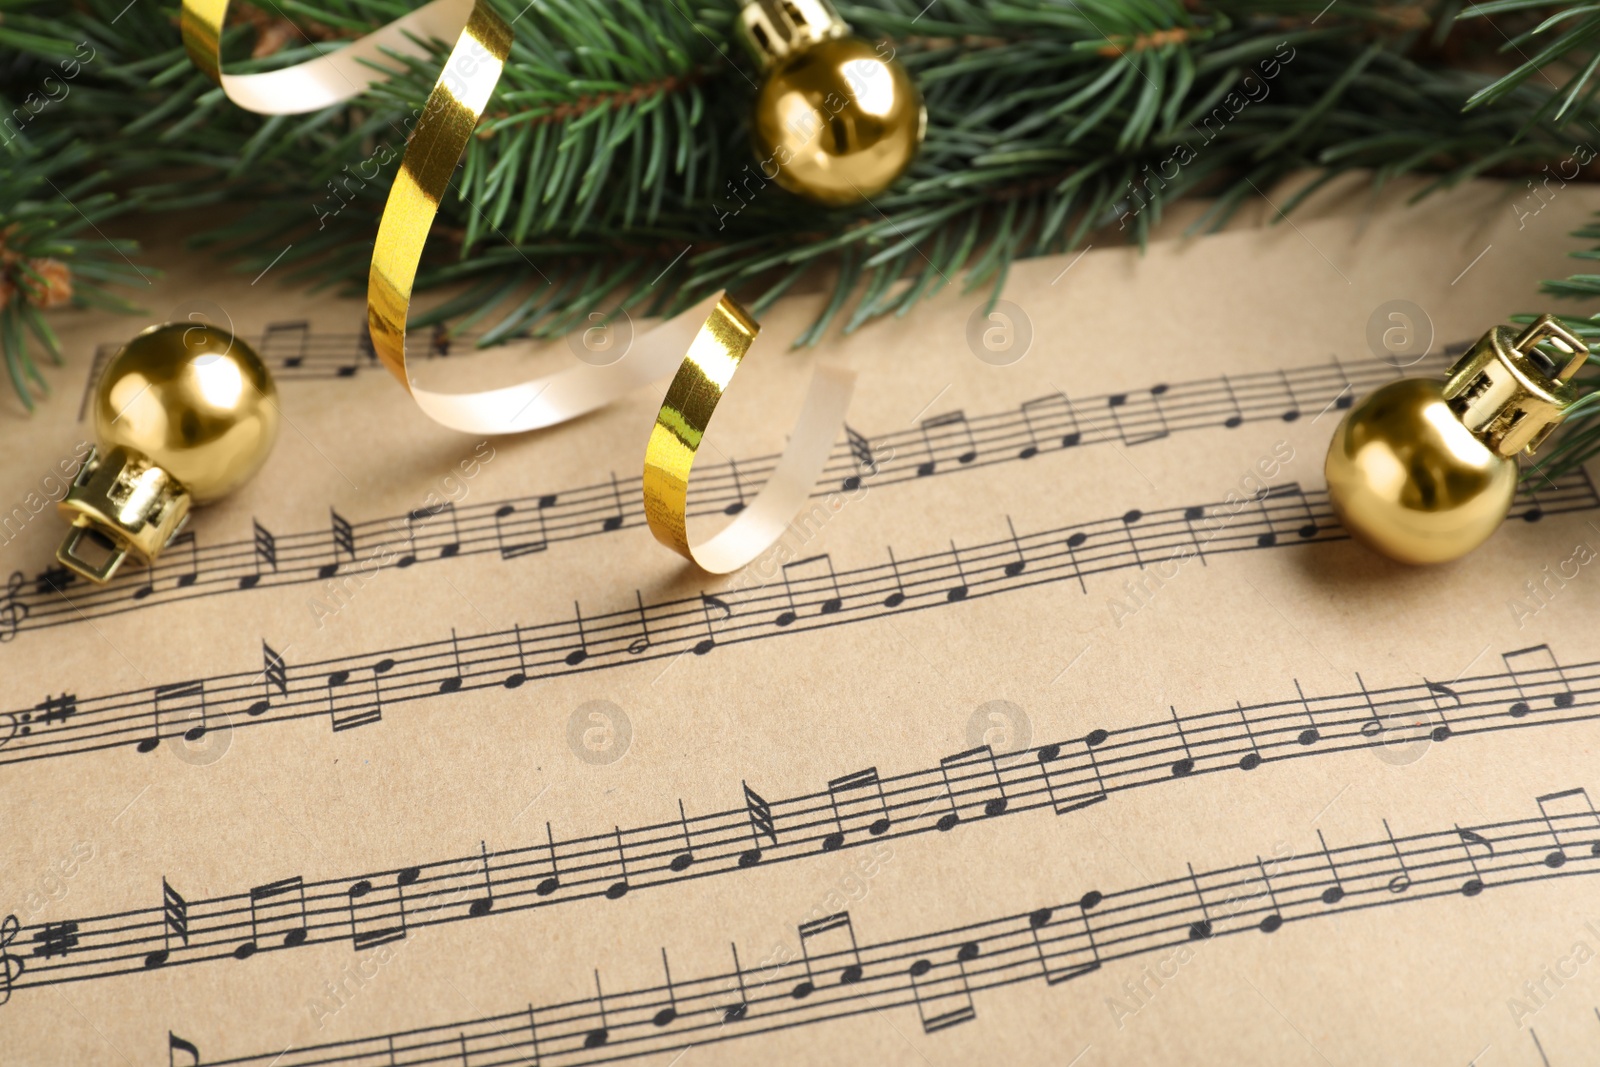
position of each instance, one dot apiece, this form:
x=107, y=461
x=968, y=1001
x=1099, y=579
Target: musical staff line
x=938, y=972
x=350, y=692
x=851, y=811
x=528, y=525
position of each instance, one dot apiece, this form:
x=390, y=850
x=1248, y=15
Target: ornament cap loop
x=127, y=504
x=773, y=29
x=1502, y=393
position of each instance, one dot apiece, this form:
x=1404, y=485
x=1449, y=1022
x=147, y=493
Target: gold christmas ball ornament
x=836, y=119
x=1424, y=471
x=184, y=414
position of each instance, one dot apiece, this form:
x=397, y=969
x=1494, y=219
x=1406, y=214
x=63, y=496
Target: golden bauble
x=837, y=122
x=1410, y=480
x=195, y=400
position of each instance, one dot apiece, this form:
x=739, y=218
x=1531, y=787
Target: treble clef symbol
x=11, y=967
x=12, y=610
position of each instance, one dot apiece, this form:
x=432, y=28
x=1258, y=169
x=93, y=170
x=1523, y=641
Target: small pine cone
x=56, y=288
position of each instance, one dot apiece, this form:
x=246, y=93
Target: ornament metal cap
x=1500, y=392
x=184, y=414
x=772, y=29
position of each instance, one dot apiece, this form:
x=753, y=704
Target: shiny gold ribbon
x=716, y=334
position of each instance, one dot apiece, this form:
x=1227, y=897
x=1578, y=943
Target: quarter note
x=1252, y=759
x=1335, y=892
x=1018, y=565
x=552, y=883
x=898, y=597
x=520, y=675
x=761, y=822
x=837, y=939
x=943, y=422
x=484, y=904
x=266, y=555
x=1273, y=920
x=960, y=591
x=1200, y=929
x=602, y=1033
x=1184, y=765
x=1538, y=660
x=1402, y=881
x=581, y=653
x=980, y=759
x=740, y=1009
x=1474, y=885
x=867, y=779
x=1292, y=412
x=175, y=924
x=614, y=522
x=1577, y=803
x=709, y=641
x=1235, y=420
x=453, y=682
x=277, y=908
x=190, y=576
x=343, y=543
x=669, y=1013
x=1075, y=541
x=619, y=889
x=185, y=701
x=1310, y=734
x=682, y=860
x=738, y=490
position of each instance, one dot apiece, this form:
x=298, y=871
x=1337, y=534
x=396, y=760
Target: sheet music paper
x=1066, y=727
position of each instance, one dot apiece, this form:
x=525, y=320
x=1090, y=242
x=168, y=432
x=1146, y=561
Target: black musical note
x=614, y=522
x=844, y=935
x=11, y=967
x=1201, y=928
x=552, y=883
x=511, y=549
x=277, y=907
x=1236, y=419
x=602, y=1033
x=1031, y=449
x=344, y=542
x=1066, y=962
x=666, y=1015
x=1135, y=427
x=185, y=701
x=1252, y=759
x=898, y=597
x=859, y=780
x=422, y=516
x=1335, y=892
x=940, y=1011
x=829, y=606
x=1579, y=805
x=1310, y=735
x=741, y=1008
x=175, y=913
x=176, y=1044
x=942, y=422
x=448, y=685
x=959, y=592
x=707, y=602
x=274, y=677
x=1185, y=765
x=1563, y=696
x=861, y=455
x=520, y=675
x=192, y=575
x=364, y=708
x=287, y=341
x=1018, y=565
x=760, y=815
x=484, y=904
x=56, y=939
x=684, y=859
x=1436, y=690
x=388, y=923
x=1292, y=412
x=982, y=756
x=1273, y=920
x=619, y=889
x=1474, y=885
x=738, y=490
x=266, y=555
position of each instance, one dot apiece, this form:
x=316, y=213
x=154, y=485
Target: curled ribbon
x=705, y=344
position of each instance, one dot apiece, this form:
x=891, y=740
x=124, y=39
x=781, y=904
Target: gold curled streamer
x=716, y=333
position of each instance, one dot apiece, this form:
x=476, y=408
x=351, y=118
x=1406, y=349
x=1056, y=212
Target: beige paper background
x=1425, y=984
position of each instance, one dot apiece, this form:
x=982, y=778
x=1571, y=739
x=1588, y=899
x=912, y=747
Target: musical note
x=898, y=597
x=707, y=602
x=423, y=516
x=1129, y=518
x=344, y=541
x=1252, y=759
x=1074, y=542
x=388, y=923
x=450, y=684
x=363, y=708
x=614, y=522
x=1474, y=885
x=982, y=756
x=484, y=904
x=602, y=1033
x=1132, y=426
x=1310, y=734
x=1031, y=449
x=942, y=422
x=274, y=677
x=619, y=889
x=1335, y=892
x=861, y=455
x=1561, y=699
x=738, y=490
x=1201, y=928
x=1273, y=919
x=844, y=935
x=1402, y=881
x=175, y=913
x=520, y=675
x=1049, y=753
x=192, y=575
x=666, y=1015
x=1068, y=963
x=581, y=653
x=271, y=906
x=682, y=860
x=1293, y=411
x=526, y=546
x=829, y=606
x=1184, y=765
x=184, y=700
x=288, y=338
x=1018, y=565
x=741, y=1008
x=960, y=591
x=859, y=780
x=266, y=555
x=1436, y=690
x=176, y=1044
x=1585, y=808
x=1235, y=420
x=940, y=1011
x=552, y=883
x=642, y=642
x=56, y=939
x=11, y=967
x=760, y=815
